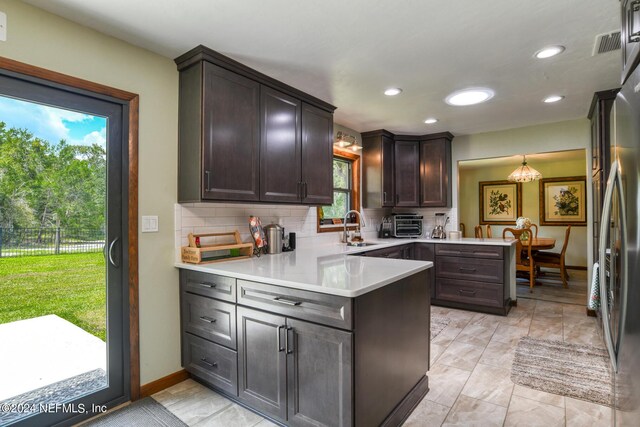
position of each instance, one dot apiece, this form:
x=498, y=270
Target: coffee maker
x=438, y=231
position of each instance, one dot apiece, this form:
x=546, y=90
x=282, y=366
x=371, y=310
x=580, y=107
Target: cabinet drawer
x=464, y=291
x=211, y=362
x=209, y=285
x=326, y=309
x=481, y=270
x=472, y=251
x=209, y=319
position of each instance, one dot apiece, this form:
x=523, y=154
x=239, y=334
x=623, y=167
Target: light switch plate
x=3, y=27
x=150, y=223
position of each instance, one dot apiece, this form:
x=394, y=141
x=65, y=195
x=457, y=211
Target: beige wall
x=45, y=40
x=469, y=202
x=567, y=135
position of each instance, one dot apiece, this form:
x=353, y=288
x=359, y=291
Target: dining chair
x=535, y=230
x=479, y=233
x=524, y=259
x=555, y=260
x=462, y=229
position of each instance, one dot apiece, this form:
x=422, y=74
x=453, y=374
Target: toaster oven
x=406, y=225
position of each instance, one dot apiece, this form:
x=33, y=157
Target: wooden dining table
x=540, y=243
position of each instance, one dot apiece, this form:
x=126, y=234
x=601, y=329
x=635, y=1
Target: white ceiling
x=347, y=52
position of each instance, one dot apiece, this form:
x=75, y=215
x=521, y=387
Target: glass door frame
x=128, y=250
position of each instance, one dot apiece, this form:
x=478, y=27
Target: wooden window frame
x=355, y=191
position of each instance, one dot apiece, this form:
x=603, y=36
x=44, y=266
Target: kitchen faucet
x=345, y=238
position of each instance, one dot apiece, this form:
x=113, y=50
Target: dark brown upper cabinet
x=378, y=181
x=281, y=147
x=246, y=137
x=317, y=156
x=407, y=174
x=435, y=172
x=406, y=170
x=219, y=135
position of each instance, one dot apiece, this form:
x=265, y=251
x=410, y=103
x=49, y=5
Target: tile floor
x=469, y=378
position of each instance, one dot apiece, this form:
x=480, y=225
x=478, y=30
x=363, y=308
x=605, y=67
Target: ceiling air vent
x=606, y=43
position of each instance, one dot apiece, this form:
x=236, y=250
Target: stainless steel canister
x=274, y=234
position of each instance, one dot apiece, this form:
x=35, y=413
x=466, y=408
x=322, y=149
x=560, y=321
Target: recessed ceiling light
x=469, y=96
x=549, y=51
x=392, y=91
x=431, y=120
x=553, y=98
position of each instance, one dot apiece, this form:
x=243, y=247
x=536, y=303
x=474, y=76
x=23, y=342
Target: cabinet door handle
x=306, y=190
x=384, y=197
x=286, y=340
x=280, y=348
x=464, y=291
x=209, y=364
x=207, y=285
x=286, y=301
x=207, y=174
x=299, y=190
x=397, y=199
x=208, y=319
x=467, y=269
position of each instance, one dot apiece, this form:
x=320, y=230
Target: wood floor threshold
x=163, y=383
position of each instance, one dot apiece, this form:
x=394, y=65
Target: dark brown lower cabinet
x=262, y=361
x=299, y=372
x=319, y=371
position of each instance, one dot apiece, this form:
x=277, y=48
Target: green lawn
x=71, y=286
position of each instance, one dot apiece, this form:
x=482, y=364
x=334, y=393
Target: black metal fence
x=16, y=242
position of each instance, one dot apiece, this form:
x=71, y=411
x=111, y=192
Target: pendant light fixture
x=524, y=173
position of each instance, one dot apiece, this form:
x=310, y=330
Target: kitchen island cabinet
x=299, y=358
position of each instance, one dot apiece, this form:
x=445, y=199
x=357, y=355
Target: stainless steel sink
x=360, y=244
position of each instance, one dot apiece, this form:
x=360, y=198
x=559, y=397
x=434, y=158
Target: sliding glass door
x=64, y=309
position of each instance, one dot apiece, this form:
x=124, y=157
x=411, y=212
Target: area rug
x=438, y=323
x=60, y=392
x=571, y=370
x=143, y=413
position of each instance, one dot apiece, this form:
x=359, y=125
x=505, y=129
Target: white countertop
x=328, y=268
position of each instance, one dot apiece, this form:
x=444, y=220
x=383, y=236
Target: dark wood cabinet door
x=407, y=173
x=320, y=375
x=426, y=252
x=280, y=149
x=435, y=171
x=388, y=182
x=262, y=361
x=317, y=156
x=231, y=136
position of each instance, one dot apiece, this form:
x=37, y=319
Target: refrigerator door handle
x=602, y=253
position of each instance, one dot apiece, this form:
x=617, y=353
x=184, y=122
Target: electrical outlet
x=3, y=26
x=149, y=223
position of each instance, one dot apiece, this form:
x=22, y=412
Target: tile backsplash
x=226, y=217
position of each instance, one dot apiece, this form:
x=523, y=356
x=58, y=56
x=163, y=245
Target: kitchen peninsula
x=329, y=334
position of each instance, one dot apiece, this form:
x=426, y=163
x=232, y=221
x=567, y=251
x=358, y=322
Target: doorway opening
x=542, y=202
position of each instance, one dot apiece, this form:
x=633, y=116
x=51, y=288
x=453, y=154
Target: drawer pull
x=209, y=364
x=467, y=269
x=208, y=319
x=207, y=284
x=286, y=301
x=467, y=292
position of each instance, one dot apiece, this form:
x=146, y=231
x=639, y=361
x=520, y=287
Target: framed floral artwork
x=563, y=201
x=500, y=202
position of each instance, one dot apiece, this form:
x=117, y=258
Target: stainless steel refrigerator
x=619, y=258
